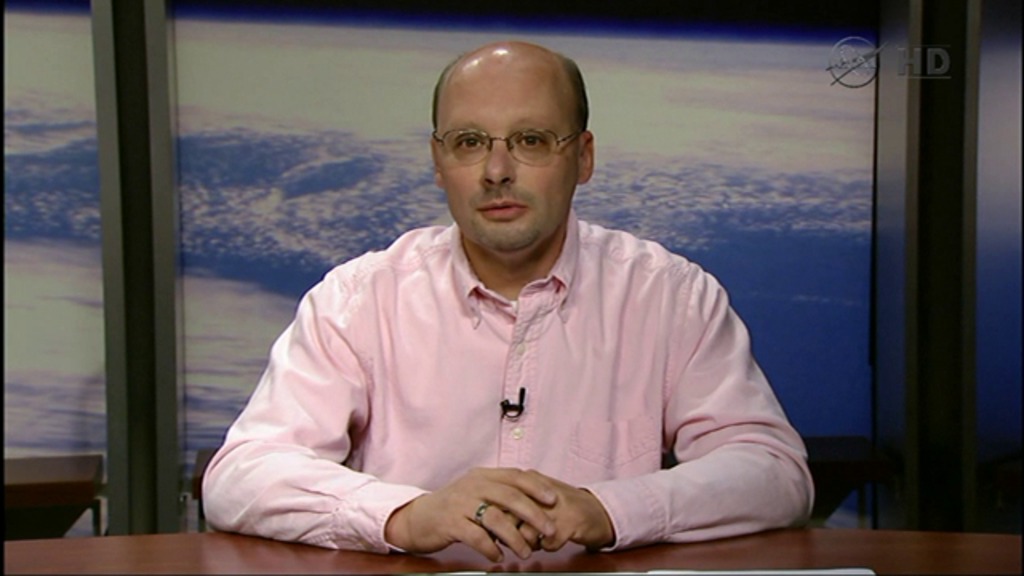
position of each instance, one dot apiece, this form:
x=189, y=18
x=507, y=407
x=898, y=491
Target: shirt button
x=521, y=349
x=517, y=433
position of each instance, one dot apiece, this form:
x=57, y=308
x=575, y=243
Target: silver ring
x=478, y=517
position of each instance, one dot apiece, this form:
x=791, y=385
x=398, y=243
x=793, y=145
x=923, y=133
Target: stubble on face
x=504, y=235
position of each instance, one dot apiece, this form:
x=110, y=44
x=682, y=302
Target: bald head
x=565, y=68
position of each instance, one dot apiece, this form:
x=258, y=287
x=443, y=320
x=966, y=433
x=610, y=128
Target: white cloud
x=53, y=348
x=741, y=103
x=48, y=59
x=53, y=311
x=229, y=328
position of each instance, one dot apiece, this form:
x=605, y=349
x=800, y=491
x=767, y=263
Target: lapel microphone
x=512, y=411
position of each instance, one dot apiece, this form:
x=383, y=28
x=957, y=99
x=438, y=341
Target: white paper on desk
x=798, y=572
x=794, y=572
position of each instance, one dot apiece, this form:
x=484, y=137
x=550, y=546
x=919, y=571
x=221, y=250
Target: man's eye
x=529, y=140
x=469, y=142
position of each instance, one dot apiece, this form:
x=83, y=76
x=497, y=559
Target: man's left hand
x=579, y=517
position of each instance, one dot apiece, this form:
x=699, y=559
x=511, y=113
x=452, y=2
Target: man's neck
x=508, y=272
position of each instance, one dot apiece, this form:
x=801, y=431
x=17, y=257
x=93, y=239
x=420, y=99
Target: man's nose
x=499, y=166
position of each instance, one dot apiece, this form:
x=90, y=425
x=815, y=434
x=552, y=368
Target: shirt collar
x=469, y=286
x=565, y=267
x=465, y=280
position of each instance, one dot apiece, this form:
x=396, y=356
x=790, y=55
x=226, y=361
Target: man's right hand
x=435, y=520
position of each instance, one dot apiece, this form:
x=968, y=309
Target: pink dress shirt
x=388, y=384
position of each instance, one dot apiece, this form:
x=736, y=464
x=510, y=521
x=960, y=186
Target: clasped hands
x=522, y=509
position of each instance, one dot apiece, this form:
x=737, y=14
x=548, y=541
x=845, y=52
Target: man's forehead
x=488, y=73
x=506, y=56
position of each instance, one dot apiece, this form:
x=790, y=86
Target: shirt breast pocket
x=606, y=450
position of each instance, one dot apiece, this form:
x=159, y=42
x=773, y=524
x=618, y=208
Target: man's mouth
x=502, y=210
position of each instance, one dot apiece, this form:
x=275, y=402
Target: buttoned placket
x=514, y=443
x=517, y=436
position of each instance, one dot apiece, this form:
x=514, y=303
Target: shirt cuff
x=635, y=512
x=360, y=521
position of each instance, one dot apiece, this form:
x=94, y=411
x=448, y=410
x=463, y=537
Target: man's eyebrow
x=467, y=126
x=517, y=126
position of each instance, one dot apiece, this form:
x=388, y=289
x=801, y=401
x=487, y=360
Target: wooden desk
x=44, y=496
x=885, y=552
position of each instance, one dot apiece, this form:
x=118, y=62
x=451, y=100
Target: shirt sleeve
x=279, y=473
x=742, y=466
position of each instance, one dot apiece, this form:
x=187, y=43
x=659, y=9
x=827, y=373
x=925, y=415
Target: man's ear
x=586, y=157
x=435, y=153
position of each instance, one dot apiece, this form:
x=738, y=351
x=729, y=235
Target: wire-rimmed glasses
x=535, y=147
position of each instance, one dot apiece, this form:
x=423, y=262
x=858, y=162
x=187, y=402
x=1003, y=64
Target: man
x=513, y=380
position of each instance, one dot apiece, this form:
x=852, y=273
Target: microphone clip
x=510, y=411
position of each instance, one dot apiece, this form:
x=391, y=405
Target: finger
x=519, y=504
x=552, y=543
x=503, y=526
x=477, y=538
x=537, y=486
x=530, y=534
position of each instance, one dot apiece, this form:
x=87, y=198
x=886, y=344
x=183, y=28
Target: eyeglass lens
x=527, y=146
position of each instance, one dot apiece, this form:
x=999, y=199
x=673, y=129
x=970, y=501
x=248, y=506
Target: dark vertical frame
x=139, y=214
x=925, y=262
x=947, y=168
x=167, y=281
x=895, y=262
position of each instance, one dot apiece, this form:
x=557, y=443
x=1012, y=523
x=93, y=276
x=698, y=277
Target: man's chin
x=506, y=238
x=509, y=246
